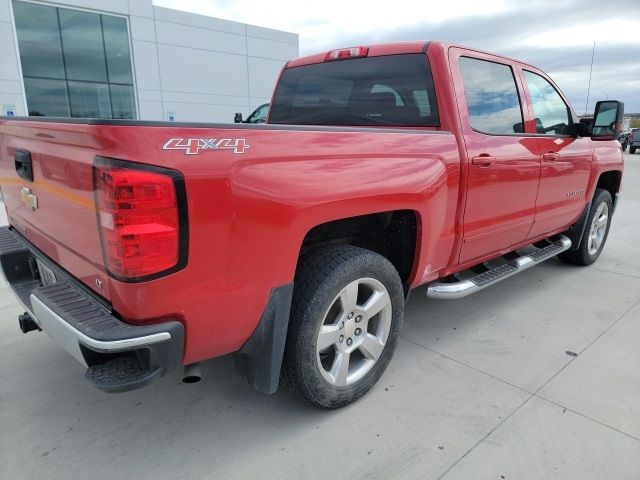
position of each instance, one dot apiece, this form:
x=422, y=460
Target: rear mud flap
x=260, y=358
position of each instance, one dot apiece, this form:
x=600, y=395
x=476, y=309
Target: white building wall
x=11, y=90
x=194, y=67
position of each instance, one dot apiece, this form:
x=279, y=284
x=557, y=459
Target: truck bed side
x=249, y=212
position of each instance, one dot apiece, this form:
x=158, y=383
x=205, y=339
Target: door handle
x=550, y=156
x=483, y=160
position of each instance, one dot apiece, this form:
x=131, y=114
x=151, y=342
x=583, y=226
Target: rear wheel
x=595, y=233
x=347, y=311
x=632, y=149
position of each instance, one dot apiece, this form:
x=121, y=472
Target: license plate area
x=47, y=277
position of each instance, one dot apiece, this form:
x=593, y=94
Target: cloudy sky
x=556, y=36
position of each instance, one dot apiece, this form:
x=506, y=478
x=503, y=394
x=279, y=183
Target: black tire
x=582, y=256
x=321, y=276
x=632, y=150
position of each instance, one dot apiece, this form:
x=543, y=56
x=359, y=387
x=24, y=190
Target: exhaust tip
x=192, y=373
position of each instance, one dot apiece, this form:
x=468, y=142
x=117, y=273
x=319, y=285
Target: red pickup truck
x=145, y=246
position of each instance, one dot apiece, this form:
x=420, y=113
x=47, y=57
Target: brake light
x=344, y=53
x=138, y=219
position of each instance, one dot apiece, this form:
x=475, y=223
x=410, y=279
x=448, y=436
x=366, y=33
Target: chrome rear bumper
x=82, y=324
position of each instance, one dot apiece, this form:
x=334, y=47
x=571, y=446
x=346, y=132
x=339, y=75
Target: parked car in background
x=623, y=138
x=259, y=115
x=634, y=140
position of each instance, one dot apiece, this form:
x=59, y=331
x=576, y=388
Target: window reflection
x=550, y=111
x=47, y=97
x=39, y=40
x=361, y=91
x=116, y=44
x=74, y=63
x=83, y=46
x=122, y=101
x=89, y=100
x=492, y=96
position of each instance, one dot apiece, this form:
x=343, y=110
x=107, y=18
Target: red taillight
x=344, y=53
x=138, y=218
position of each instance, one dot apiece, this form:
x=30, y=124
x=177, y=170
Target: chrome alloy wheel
x=354, y=332
x=598, y=228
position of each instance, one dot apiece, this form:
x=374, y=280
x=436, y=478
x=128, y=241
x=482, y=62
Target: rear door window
x=394, y=90
x=492, y=96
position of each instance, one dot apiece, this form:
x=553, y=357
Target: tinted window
x=492, y=96
x=319, y=91
x=83, y=46
x=90, y=100
x=122, y=101
x=39, y=40
x=422, y=101
x=550, y=111
x=47, y=97
x=74, y=63
x=390, y=90
x=377, y=88
x=116, y=45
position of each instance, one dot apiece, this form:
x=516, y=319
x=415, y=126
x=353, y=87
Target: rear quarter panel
x=249, y=213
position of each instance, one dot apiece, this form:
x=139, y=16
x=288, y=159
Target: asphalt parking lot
x=534, y=378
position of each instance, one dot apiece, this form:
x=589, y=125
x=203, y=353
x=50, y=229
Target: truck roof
x=396, y=48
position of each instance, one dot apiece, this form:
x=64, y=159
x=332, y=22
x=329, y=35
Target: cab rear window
x=394, y=90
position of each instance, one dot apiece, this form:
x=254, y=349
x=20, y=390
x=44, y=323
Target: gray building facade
x=131, y=59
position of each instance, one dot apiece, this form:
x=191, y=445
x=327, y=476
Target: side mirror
x=237, y=118
x=607, y=120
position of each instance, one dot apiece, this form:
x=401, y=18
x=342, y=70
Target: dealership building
x=129, y=59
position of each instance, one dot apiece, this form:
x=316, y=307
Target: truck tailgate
x=47, y=186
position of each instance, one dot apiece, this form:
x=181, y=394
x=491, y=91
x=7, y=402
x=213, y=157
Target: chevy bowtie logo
x=29, y=199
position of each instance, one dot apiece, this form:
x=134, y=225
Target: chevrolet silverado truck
x=142, y=247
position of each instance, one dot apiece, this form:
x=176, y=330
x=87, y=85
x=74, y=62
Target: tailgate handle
x=24, y=167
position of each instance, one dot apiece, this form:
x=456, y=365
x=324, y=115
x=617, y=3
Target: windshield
x=394, y=90
x=259, y=114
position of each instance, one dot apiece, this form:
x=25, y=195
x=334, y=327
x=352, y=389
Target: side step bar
x=465, y=287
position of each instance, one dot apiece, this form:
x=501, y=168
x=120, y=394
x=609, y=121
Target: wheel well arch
x=610, y=181
x=392, y=234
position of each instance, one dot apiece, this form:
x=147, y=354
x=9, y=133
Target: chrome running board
x=466, y=286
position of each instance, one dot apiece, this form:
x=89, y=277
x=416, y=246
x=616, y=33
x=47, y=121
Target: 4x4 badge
x=192, y=146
